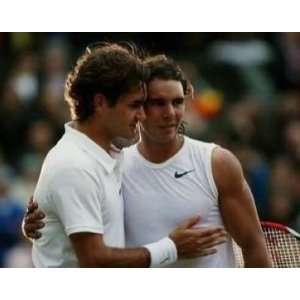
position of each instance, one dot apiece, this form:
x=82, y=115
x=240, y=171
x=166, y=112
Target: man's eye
x=137, y=105
x=178, y=102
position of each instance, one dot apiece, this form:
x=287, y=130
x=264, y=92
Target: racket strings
x=283, y=247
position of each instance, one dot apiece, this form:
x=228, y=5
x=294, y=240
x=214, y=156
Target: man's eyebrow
x=141, y=100
x=161, y=98
x=155, y=98
x=138, y=101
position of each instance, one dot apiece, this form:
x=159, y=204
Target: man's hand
x=32, y=221
x=193, y=242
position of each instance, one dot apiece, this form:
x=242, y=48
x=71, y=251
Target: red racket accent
x=283, y=244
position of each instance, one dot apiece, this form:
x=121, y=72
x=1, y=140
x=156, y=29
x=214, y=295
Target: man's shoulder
x=67, y=161
x=226, y=167
x=224, y=158
x=201, y=150
x=198, y=143
x=66, y=154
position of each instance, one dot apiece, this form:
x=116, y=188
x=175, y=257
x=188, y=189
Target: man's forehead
x=162, y=87
x=134, y=96
x=137, y=88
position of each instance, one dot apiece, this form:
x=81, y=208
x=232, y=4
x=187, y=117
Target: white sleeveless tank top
x=158, y=197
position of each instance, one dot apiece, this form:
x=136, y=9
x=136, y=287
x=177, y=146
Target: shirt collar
x=88, y=145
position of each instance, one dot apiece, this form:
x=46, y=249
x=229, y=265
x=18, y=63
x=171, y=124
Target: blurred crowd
x=246, y=98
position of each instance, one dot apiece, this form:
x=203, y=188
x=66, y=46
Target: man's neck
x=158, y=153
x=94, y=133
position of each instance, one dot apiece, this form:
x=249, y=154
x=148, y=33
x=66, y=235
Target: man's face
x=164, y=110
x=123, y=118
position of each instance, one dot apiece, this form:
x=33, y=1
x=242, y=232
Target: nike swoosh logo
x=178, y=175
x=164, y=260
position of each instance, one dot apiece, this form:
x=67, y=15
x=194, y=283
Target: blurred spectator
x=24, y=79
x=26, y=180
x=243, y=117
x=257, y=173
x=19, y=256
x=289, y=108
x=55, y=62
x=13, y=116
x=39, y=139
x=21, y=41
x=52, y=106
x=282, y=173
x=281, y=208
x=11, y=215
x=242, y=59
x=290, y=44
x=292, y=139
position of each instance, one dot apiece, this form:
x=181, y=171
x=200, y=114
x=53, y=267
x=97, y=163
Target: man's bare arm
x=190, y=242
x=238, y=208
x=91, y=250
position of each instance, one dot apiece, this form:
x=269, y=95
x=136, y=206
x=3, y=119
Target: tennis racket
x=283, y=244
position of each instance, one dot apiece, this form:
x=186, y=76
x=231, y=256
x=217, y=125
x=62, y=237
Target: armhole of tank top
x=210, y=175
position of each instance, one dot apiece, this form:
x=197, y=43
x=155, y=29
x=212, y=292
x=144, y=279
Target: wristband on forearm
x=162, y=253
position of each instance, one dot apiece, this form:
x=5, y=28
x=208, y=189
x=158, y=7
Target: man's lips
x=168, y=126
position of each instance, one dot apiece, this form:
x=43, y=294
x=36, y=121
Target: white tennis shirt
x=157, y=197
x=79, y=189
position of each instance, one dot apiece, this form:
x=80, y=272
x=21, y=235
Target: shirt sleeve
x=77, y=199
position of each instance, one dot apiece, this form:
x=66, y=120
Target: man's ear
x=100, y=102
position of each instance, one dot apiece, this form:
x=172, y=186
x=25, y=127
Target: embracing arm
x=186, y=241
x=238, y=208
x=32, y=221
x=76, y=203
x=91, y=251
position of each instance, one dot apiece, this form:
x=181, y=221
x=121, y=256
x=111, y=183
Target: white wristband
x=163, y=252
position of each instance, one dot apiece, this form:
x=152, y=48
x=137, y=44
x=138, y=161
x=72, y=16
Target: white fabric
x=79, y=190
x=162, y=253
x=156, y=202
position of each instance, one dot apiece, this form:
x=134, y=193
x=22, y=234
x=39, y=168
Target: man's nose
x=141, y=114
x=169, y=111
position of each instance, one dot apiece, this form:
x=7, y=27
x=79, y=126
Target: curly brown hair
x=108, y=68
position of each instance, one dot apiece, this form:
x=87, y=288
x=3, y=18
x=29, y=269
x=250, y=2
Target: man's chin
x=122, y=142
x=170, y=136
x=166, y=139
x=131, y=136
